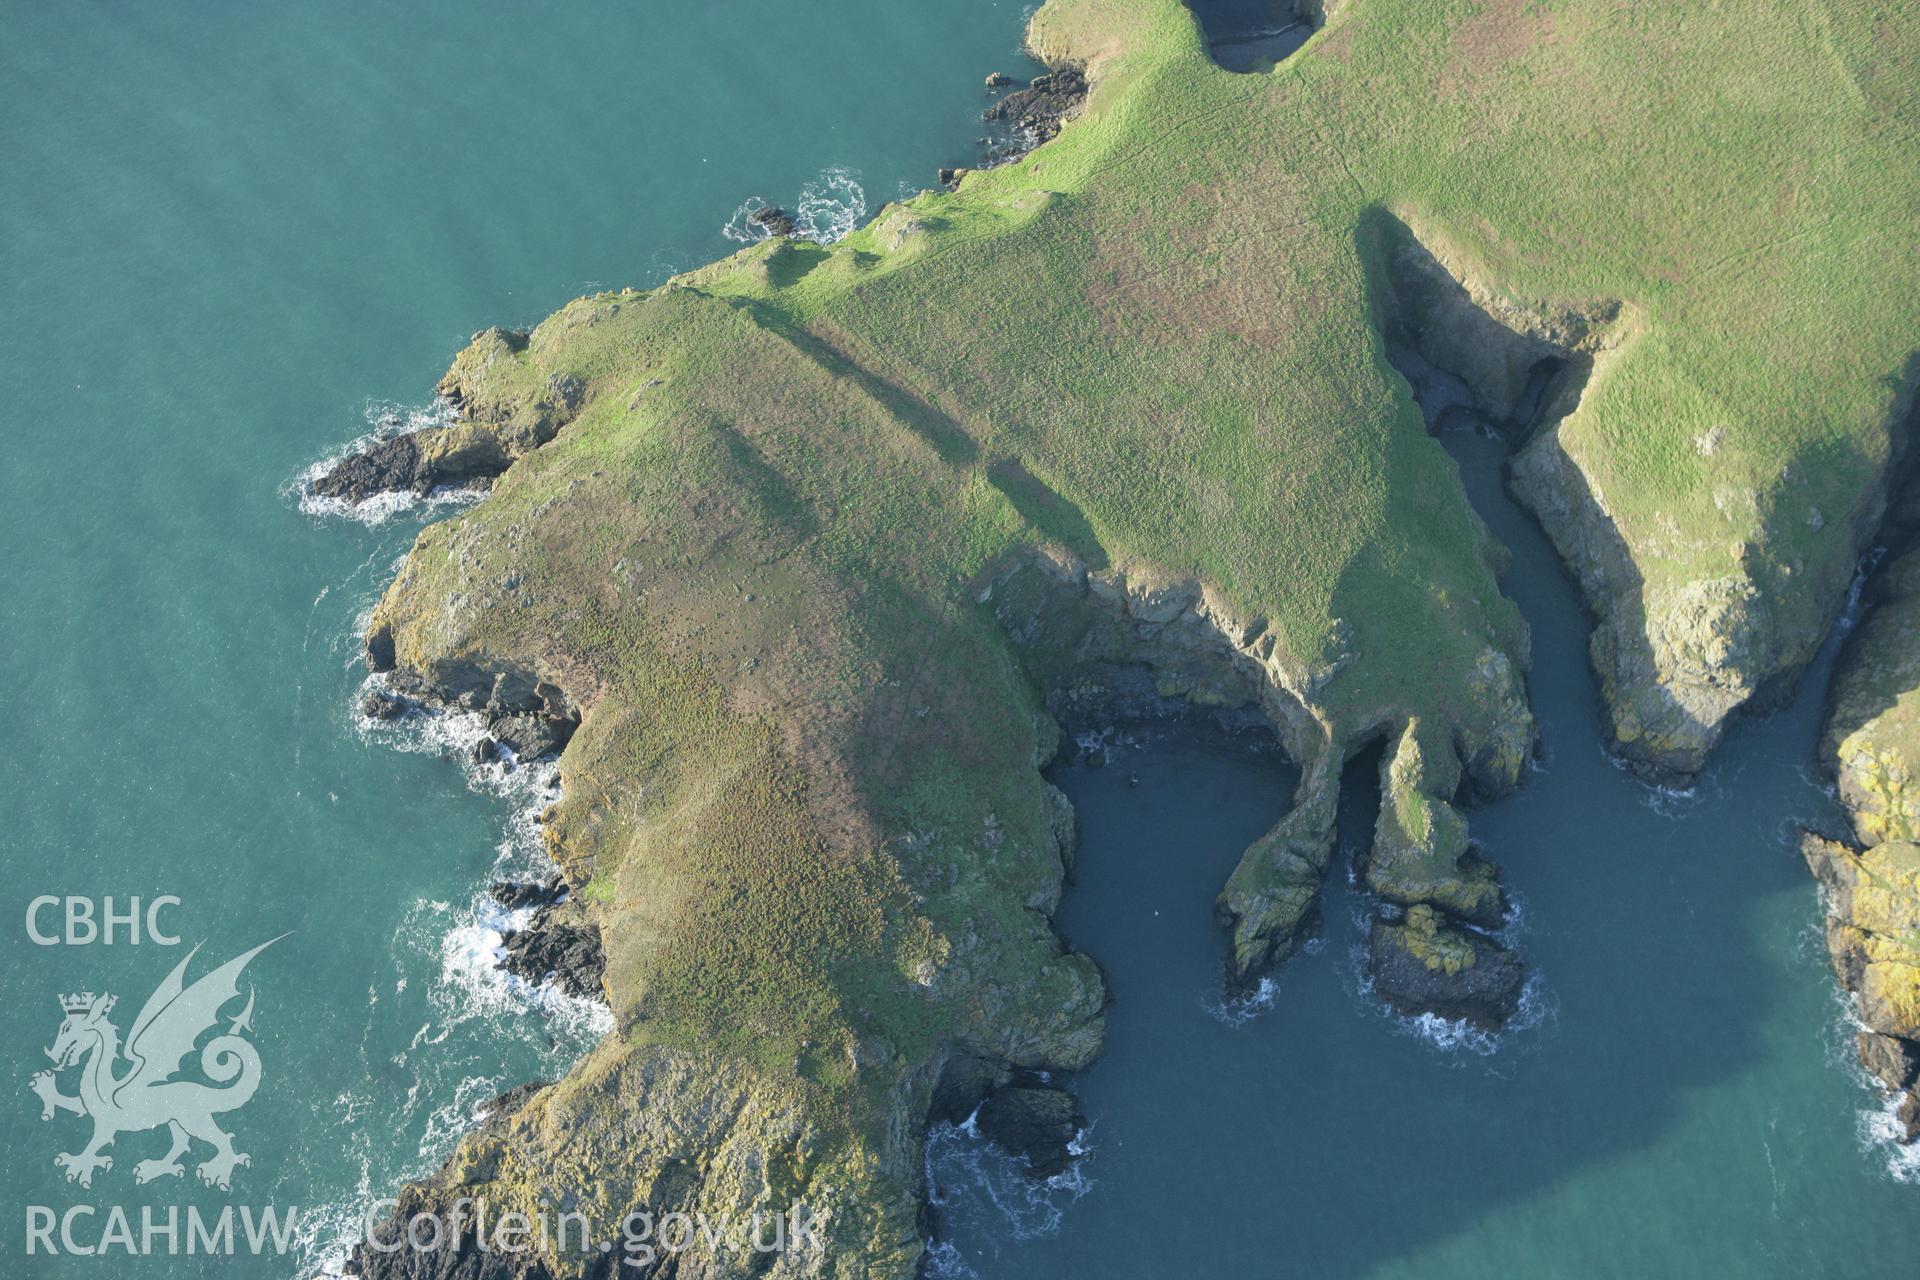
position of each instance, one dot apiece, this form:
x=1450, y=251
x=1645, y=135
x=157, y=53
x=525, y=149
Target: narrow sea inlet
x=1678, y=1096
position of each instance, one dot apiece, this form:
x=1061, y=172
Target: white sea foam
x=1462, y=1038
x=988, y=1195
x=384, y=422
x=471, y=1016
x=1242, y=1009
x=827, y=209
x=1880, y=1131
x=1876, y=1125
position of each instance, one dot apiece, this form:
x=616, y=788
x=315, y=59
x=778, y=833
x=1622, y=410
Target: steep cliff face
x=1689, y=628
x=1872, y=747
x=1071, y=625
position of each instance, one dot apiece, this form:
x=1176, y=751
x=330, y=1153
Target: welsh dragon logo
x=145, y=1095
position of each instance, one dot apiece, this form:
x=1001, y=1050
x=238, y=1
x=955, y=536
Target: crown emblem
x=84, y=1002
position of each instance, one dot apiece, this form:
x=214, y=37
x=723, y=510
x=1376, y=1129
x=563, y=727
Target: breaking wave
x=384, y=422
x=826, y=210
x=1457, y=1039
x=981, y=1193
x=464, y=1021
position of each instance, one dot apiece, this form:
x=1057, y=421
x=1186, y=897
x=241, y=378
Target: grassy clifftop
x=781, y=547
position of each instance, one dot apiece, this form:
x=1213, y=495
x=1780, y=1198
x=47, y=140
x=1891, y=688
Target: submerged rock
x=774, y=220
x=1425, y=965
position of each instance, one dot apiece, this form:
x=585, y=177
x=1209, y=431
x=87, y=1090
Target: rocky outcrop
x=560, y=945
x=1872, y=737
x=1422, y=964
x=458, y=1252
x=773, y=220
x=528, y=716
x=1036, y=113
x=1421, y=854
x=456, y=457
x=1075, y=626
x=1037, y=1123
x=1873, y=938
x=488, y=434
x=1871, y=746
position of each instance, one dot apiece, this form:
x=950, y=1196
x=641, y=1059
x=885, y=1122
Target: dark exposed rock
x=380, y=705
x=532, y=735
x=454, y=1257
x=1035, y=1122
x=1425, y=965
x=527, y=716
x=559, y=946
x=418, y=462
x=1891, y=1060
x=774, y=220
x=380, y=657
x=1036, y=112
x=950, y=177
x=516, y=894
x=998, y=79
x=963, y=1084
x=1907, y=1114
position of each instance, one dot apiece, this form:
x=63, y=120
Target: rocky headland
x=800, y=560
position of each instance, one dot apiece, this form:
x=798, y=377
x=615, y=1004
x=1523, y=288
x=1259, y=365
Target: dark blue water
x=1677, y=1101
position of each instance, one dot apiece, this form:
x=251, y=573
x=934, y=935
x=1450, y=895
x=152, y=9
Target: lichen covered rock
x=1422, y=964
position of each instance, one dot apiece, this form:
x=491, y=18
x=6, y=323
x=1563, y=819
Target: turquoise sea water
x=232, y=237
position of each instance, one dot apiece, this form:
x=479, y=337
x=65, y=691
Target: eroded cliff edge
x=1871, y=748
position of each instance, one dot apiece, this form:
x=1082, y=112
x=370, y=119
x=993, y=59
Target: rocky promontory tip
x=470, y=452
x=1024, y=118
x=1423, y=964
x=530, y=717
x=1038, y=111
